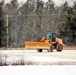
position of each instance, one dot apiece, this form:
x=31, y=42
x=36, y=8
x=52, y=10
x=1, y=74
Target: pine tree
x=67, y=27
x=2, y=28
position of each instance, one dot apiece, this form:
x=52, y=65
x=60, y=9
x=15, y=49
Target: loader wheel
x=59, y=48
x=39, y=50
x=51, y=48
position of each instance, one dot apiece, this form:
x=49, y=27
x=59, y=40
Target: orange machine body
x=44, y=43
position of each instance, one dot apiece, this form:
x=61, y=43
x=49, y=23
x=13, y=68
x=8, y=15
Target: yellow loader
x=48, y=42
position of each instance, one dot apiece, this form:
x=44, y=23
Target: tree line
x=34, y=18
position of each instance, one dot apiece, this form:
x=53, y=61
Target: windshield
x=51, y=36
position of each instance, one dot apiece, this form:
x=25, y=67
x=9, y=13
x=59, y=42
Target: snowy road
x=66, y=56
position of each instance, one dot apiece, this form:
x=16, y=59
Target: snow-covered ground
x=37, y=60
x=44, y=58
x=38, y=70
x=12, y=56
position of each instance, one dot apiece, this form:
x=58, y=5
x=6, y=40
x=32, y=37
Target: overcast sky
x=57, y=2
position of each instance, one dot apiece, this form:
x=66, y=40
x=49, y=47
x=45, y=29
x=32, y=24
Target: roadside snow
x=15, y=56
x=38, y=70
x=35, y=59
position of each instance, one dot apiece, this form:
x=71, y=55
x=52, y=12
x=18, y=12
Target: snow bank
x=10, y=59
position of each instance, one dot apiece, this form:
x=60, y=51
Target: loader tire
x=51, y=48
x=39, y=50
x=59, y=48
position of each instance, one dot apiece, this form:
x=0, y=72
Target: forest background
x=29, y=21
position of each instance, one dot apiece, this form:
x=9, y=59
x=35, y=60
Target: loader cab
x=50, y=36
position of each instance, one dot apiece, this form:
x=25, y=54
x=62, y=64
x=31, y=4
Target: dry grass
x=70, y=48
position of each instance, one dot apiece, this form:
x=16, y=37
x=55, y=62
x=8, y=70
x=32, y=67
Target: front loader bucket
x=36, y=45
